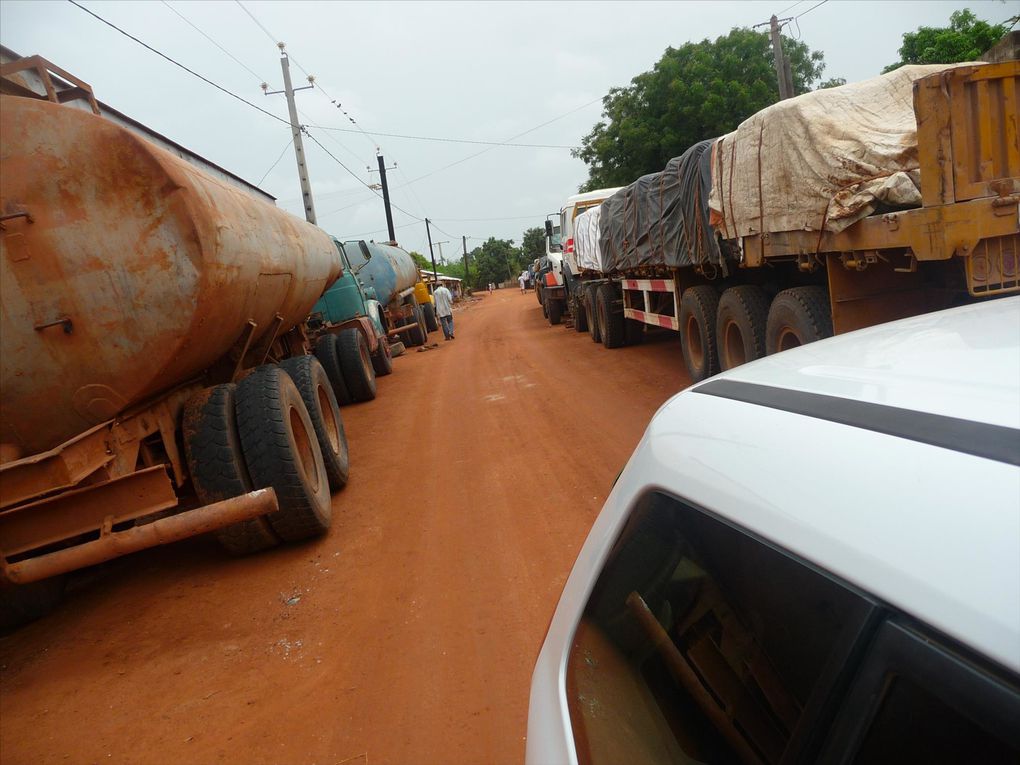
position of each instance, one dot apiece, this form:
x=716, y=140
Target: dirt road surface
x=409, y=633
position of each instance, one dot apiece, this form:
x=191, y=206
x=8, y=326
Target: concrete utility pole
x=295, y=127
x=782, y=65
x=440, y=246
x=435, y=271
x=386, y=197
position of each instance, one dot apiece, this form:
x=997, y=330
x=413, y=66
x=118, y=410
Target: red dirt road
x=409, y=633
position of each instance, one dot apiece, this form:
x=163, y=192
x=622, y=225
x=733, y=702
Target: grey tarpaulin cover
x=661, y=219
x=823, y=158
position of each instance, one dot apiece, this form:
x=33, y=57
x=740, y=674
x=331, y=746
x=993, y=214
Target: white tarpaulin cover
x=586, y=240
x=826, y=158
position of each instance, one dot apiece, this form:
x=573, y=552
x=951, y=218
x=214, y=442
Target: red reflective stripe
x=570, y=244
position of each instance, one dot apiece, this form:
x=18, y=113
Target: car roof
x=856, y=480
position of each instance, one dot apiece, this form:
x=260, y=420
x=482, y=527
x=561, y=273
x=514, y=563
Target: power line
x=511, y=138
x=177, y=63
x=269, y=34
x=789, y=7
x=805, y=13
x=486, y=220
x=453, y=140
x=335, y=159
x=207, y=37
x=276, y=162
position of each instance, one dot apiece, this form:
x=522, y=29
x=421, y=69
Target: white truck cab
x=814, y=557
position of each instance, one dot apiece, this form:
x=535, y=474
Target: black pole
x=386, y=199
x=435, y=274
x=467, y=276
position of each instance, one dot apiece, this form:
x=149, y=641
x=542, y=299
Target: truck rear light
x=570, y=245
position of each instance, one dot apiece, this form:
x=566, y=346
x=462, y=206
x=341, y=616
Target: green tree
x=533, y=244
x=965, y=39
x=832, y=82
x=420, y=259
x=697, y=91
x=497, y=260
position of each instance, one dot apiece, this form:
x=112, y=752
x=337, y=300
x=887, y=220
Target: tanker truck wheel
x=357, y=364
x=328, y=354
x=431, y=323
x=740, y=325
x=610, y=320
x=24, y=603
x=417, y=336
x=382, y=359
x=282, y=452
x=212, y=448
x=797, y=316
x=698, y=308
x=317, y=392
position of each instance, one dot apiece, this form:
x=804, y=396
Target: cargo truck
x=913, y=208
x=155, y=375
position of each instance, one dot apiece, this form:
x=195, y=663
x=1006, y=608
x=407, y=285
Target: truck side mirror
x=365, y=253
x=548, y=228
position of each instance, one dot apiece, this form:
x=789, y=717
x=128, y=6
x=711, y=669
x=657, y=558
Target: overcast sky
x=473, y=71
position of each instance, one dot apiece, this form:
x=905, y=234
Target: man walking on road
x=444, y=309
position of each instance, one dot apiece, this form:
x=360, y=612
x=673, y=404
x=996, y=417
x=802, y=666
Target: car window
x=701, y=643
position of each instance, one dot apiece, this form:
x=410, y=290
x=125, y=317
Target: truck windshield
x=354, y=255
x=556, y=241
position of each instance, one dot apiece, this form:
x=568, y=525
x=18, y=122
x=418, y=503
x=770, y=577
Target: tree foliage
x=965, y=39
x=497, y=260
x=532, y=245
x=697, y=91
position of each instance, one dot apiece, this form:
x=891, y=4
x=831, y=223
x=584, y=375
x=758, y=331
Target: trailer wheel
x=21, y=604
x=798, y=315
x=317, y=393
x=554, y=310
x=328, y=354
x=281, y=451
x=698, y=307
x=591, y=315
x=382, y=359
x=610, y=320
x=417, y=335
x=357, y=365
x=580, y=314
x=431, y=324
x=740, y=325
x=212, y=449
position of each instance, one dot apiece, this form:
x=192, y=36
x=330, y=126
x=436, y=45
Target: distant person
x=444, y=309
x=491, y=286
x=523, y=281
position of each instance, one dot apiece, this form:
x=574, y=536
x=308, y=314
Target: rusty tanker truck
x=156, y=380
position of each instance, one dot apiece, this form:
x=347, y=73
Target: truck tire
x=357, y=364
x=545, y=308
x=610, y=320
x=740, y=325
x=538, y=292
x=281, y=452
x=212, y=449
x=797, y=316
x=21, y=604
x=591, y=314
x=382, y=359
x=698, y=308
x=554, y=310
x=416, y=336
x=316, y=391
x=328, y=354
x=580, y=315
x=431, y=324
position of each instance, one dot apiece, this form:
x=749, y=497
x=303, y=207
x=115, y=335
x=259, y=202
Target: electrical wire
x=805, y=13
x=269, y=34
x=178, y=64
x=490, y=148
x=335, y=159
x=789, y=7
x=259, y=184
x=187, y=21
x=453, y=140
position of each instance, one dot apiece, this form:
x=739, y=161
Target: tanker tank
x=389, y=271
x=125, y=271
